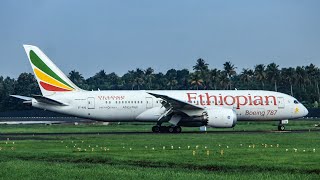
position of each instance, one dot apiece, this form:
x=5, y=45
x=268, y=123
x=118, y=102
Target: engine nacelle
x=221, y=118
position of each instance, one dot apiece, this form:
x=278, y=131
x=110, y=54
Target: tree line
x=301, y=82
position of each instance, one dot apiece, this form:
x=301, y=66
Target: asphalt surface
x=145, y=132
x=52, y=136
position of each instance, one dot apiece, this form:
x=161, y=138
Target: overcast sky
x=122, y=35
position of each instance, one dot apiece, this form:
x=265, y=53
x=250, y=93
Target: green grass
x=158, y=156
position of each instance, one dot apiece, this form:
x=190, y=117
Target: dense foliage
x=302, y=81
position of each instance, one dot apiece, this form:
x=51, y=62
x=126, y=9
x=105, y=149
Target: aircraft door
x=91, y=103
x=149, y=102
x=280, y=102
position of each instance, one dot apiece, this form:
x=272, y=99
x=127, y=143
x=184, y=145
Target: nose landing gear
x=281, y=126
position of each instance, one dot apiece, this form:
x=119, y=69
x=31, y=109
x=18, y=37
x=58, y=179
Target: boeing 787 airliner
x=192, y=108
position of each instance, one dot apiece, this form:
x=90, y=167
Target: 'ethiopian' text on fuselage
x=220, y=100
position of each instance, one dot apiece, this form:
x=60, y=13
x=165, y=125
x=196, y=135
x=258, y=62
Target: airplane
x=188, y=108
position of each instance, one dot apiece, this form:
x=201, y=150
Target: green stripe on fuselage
x=43, y=67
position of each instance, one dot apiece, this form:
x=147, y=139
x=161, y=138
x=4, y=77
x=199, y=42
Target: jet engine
x=220, y=118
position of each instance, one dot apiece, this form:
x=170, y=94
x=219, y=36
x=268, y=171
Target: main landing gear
x=166, y=129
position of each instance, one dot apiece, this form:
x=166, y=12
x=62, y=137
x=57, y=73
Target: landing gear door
x=280, y=102
x=91, y=103
x=149, y=102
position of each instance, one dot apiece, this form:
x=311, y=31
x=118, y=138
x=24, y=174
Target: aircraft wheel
x=163, y=129
x=171, y=129
x=177, y=129
x=156, y=129
x=281, y=127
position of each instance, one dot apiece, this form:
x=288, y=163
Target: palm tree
x=224, y=80
x=99, y=80
x=182, y=78
x=112, y=81
x=172, y=78
x=78, y=79
x=313, y=74
x=195, y=80
x=128, y=80
x=139, y=78
x=301, y=77
x=289, y=74
x=202, y=68
x=149, y=76
x=229, y=69
x=172, y=83
x=201, y=65
x=273, y=74
x=26, y=84
x=214, y=78
x=246, y=76
x=260, y=74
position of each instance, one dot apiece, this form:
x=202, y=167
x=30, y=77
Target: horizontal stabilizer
x=27, y=100
x=39, y=98
x=22, y=97
x=47, y=100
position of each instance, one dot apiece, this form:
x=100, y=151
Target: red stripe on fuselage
x=49, y=87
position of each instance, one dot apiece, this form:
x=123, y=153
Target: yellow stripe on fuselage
x=44, y=77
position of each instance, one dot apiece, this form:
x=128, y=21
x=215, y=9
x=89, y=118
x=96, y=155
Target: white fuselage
x=140, y=106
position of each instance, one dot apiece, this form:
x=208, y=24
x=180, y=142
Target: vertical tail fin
x=50, y=78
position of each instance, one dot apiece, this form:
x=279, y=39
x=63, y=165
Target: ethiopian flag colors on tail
x=50, y=78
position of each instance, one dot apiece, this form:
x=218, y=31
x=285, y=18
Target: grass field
x=223, y=155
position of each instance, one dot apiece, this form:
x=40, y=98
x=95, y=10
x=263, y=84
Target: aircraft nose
x=305, y=111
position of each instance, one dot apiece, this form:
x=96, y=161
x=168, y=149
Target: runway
x=2, y=135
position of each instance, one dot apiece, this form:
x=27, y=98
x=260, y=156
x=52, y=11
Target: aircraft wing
x=176, y=103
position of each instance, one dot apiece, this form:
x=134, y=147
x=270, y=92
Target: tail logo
x=48, y=79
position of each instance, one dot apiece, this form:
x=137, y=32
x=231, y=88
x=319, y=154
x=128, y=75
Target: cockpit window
x=296, y=102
